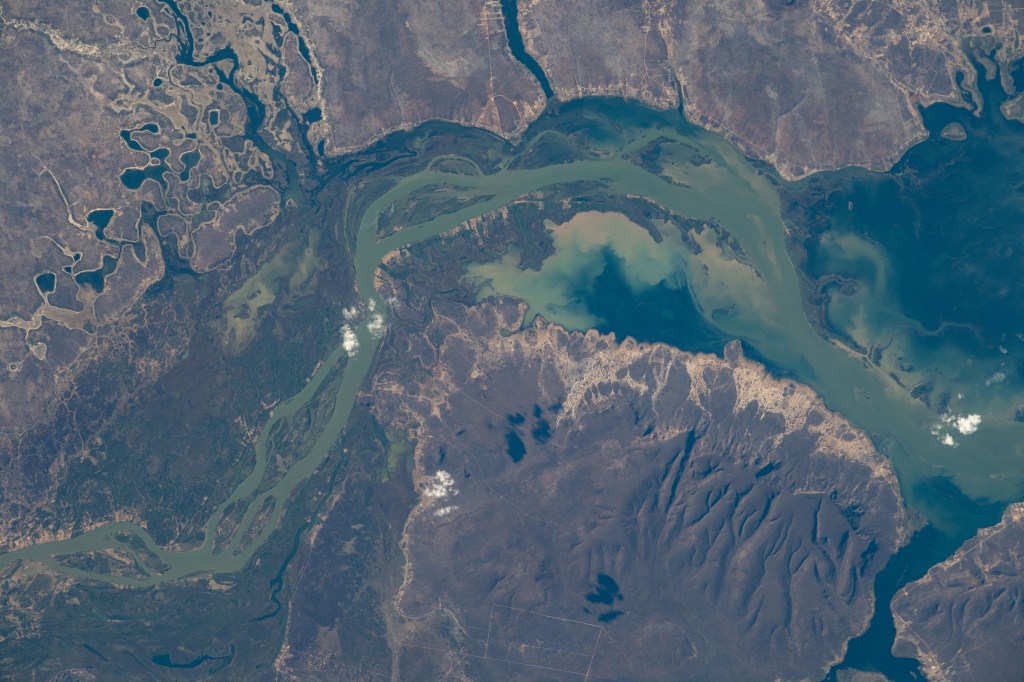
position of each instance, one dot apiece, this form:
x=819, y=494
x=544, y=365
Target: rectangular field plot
x=533, y=639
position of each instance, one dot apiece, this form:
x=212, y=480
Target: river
x=753, y=294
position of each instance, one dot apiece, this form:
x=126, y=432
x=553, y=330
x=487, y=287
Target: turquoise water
x=725, y=274
x=917, y=333
x=935, y=253
x=921, y=269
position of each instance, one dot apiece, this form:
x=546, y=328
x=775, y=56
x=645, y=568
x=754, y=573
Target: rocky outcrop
x=963, y=620
x=630, y=509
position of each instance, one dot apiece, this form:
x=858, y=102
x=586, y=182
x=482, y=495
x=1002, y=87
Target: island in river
x=606, y=213
x=224, y=477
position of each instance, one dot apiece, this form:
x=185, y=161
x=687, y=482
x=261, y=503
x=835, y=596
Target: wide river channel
x=766, y=312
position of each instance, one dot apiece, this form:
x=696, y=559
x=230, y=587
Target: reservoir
x=908, y=366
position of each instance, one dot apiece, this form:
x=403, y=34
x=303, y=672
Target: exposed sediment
x=726, y=507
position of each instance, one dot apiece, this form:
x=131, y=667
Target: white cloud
x=349, y=340
x=995, y=378
x=350, y=313
x=965, y=424
x=376, y=325
x=948, y=440
x=445, y=511
x=439, y=486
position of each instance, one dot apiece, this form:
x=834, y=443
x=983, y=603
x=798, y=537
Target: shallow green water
x=762, y=305
x=743, y=287
x=582, y=246
x=934, y=249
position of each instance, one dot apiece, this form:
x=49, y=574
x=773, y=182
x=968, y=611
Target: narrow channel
x=510, y=11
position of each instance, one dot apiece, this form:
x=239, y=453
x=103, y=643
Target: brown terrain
x=806, y=86
x=394, y=65
x=624, y=509
x=137, y=141
x=98, y=93
x=91, y=76
x=117, y=160
x=963, y=620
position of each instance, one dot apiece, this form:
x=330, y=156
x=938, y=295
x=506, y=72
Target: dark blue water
x=189, y=160
x=131, y=142
x=100, y=218
x=47, y=282
x=303, y=47
x=510, y=11
x=872, y=651
x=132, y=178
x=514, y=446
x=165, y=660
x=661, y=314
x=949, y=216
